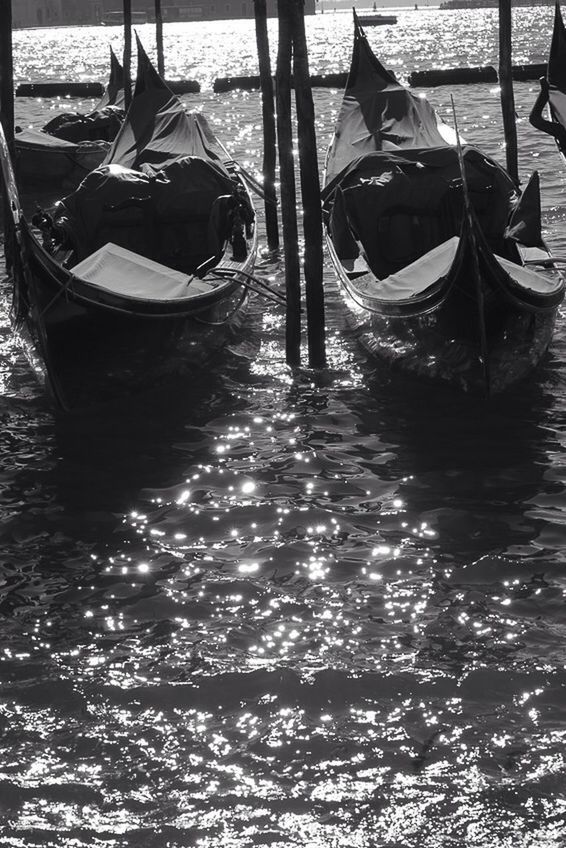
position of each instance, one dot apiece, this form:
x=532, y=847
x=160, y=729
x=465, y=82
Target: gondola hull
x=424, y=345
x=88, y=351
x=140, y=275
x=47, y=158
x=56, y=162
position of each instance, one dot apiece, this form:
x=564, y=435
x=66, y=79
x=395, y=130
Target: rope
x=234, y=274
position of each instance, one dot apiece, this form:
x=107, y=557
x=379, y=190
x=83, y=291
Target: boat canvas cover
x=401, y=205
x=378, y=113
x=114, y=93
x=37, y=138
x=123, y=272
x=556, y=72
x=136, y=209
x=154, y=192
x=157, y=129
x=415, y=278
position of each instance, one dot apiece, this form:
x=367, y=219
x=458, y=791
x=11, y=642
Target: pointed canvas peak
x=116, y=70
x=358, y=28
x=147, y=76
x=556, y=70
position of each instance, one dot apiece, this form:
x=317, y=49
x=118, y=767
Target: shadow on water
x=106, y=455
x=468, y=465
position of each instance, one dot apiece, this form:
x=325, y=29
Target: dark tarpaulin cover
x=144, y=211
x=556, y=73
x=378, y=113
x=157, y=130
x=114, y=94
x=155, y=190
x=100, y=125
x=104, y=122
x=401, y=205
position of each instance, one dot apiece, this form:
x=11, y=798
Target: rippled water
x=288, y=609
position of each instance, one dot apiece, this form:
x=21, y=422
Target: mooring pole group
x=292, y=60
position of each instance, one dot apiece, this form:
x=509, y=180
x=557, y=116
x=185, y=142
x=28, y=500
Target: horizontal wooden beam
x=54, y=88
x=250, y=83
x=486, y=73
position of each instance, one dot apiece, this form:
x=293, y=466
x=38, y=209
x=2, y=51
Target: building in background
x=193, y=10
x=45, y=13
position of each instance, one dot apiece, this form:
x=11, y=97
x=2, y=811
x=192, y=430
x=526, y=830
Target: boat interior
x=179, y=216
x=395, y=208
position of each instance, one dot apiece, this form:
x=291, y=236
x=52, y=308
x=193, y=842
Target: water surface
x=284, y=609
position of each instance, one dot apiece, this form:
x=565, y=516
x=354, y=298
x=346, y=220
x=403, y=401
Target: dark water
x=279, y=608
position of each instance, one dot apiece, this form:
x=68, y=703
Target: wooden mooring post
x=506, y=84
x=269, y=128
x=293, y=48
x=7, y=114
x=159, y=39
x=310, y=189
x=288, y=186
x=127, y=62
x=7, y=72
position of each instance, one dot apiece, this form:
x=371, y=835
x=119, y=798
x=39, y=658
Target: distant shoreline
x=490, y=4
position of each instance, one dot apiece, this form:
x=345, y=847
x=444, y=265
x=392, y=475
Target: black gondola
x=142, y=271
x=434, y=267
x=70, y=144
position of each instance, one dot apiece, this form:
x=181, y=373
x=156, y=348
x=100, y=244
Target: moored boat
x=71, y=144
x=142, y=272
x=433, y=245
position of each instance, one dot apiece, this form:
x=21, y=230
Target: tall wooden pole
x=288, y=187
x=506, y=84
x=7, y=115
x=310, y=189
x=127, y=52
x=7, y=72
x=159, y=39
x=269, y=129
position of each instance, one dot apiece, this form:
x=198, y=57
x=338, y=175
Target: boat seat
x=414, y=278
x=124, y=272
x=403, y=236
